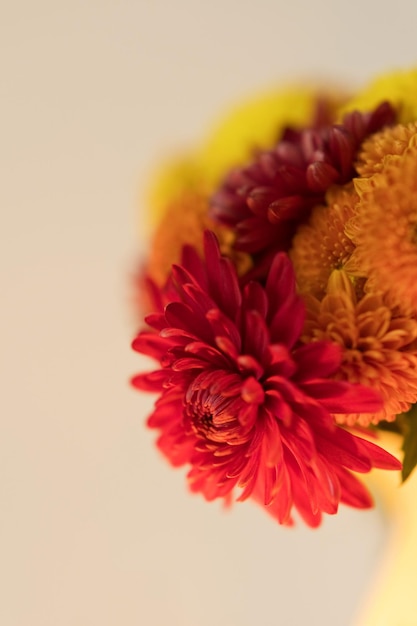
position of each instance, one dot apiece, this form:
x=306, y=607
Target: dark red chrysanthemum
x=266, y=201
x=243, y=403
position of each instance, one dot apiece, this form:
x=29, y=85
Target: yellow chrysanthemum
x=175, y=178
x=384, y=230
x=398, y=87
x=379, y=347
x=322, y=245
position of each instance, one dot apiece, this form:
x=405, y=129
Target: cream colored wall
x=95, y=528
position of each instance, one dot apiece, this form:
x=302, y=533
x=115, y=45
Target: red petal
x=223, y=284
x=354, y=493
x=343, y=449
x=320, y=176
x=343, y=397
x=150, y=381
x=379, y=457
x=255, y=299
x=318, y=358
x=151, y=344
x=255, y=335
x=179, y=315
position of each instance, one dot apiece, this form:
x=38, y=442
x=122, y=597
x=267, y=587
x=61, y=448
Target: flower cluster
x=282, y=303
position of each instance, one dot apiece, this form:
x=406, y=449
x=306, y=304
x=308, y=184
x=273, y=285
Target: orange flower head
x=183, y=223
x=382, y=147
x=379, y=347
x=322, y=245
x=384, y=230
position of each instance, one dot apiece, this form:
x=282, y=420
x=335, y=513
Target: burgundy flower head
x=243, y=403
x=265, y=201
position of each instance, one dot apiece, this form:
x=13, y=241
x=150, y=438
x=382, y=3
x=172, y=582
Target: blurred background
x=95, y=528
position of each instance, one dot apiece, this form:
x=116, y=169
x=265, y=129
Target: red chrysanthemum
x=266, y=201
x=244, y=403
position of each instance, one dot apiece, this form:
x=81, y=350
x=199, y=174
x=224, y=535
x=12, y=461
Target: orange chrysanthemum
x=379, y=347
x=183, y=223
x=322, y=245
x=384, y=230
x=378, y=150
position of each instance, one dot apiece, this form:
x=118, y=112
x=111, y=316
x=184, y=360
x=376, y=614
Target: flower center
x=210, y=416
x=214, y=409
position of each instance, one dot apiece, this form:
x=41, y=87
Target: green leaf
x=410, y=441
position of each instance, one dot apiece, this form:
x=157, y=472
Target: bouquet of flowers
x=280, y=299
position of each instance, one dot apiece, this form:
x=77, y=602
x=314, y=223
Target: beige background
x=95, y=528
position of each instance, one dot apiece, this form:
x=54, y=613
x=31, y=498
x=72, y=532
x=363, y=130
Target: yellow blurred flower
x=398, y=87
